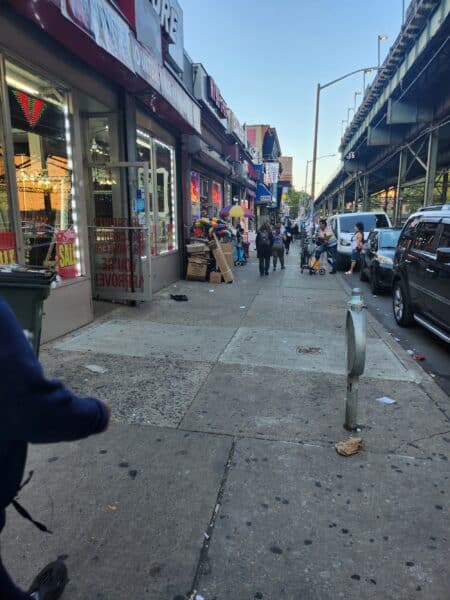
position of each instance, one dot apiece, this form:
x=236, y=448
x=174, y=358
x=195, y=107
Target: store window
x=43, y=160
x=204, y=197
x=162, y=193
x=7, y=239
x=165, y=171
x=195, y=195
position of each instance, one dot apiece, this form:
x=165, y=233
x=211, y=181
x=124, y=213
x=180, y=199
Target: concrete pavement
x=219, y=477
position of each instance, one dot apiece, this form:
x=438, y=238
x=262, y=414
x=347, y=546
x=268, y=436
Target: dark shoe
x=282, y=268
x=274, y=268
x=267, y=273
x=51, y=581
x=333, y=272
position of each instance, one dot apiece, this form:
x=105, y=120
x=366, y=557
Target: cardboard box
x=221, y=261
x=215, y=277
x=197, y=248
x=199, y=259
x=196, y=271
x=227, y=249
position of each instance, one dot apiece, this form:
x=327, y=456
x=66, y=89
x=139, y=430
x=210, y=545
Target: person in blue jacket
x=34, y=410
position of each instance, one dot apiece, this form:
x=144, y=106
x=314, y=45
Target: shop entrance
x=119, y=232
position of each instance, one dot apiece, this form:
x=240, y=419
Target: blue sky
x=267, y=57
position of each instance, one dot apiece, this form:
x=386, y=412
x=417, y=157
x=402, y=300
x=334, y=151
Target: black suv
x=421, y=280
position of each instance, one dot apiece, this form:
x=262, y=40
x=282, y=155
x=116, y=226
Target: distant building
x=286, y=170
x=264, y=139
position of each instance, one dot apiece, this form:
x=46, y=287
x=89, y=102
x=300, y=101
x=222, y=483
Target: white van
x=343, y=226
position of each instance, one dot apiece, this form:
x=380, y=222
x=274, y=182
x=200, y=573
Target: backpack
x=264, y=239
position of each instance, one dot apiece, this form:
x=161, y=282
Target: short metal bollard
x=356, y=338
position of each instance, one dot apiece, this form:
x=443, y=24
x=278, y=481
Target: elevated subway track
x=396, y=151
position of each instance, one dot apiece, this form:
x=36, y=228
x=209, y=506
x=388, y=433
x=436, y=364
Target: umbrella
x=237, y=211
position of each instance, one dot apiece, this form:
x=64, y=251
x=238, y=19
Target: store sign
x=170, y=16
x=79, y=12
x=65, y=253
x=7, y=248
x=32, y=108
x=235, y=127
x=99, y=19
x=272, y=170
x=179, y=99
x=148, y=28
x=112, y=32
x=215, y=97
x=146, y=65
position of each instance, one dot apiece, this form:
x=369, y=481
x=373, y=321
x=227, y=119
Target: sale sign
x=65, y=253
x=7, y=248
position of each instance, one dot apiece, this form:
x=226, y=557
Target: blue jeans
x=331, y=253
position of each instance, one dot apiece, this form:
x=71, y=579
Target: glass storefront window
x=163, y=210
x=7, y=239
x=195, y=195
x=43, y=159
x=166, y=205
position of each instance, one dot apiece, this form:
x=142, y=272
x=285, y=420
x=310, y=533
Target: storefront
x=89, y=175
x=207, y=194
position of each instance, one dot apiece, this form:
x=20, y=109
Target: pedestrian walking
x=357, y=246
x=327, y=242
x=278, y=247
x=288, y=233
x=34, y=410
x=264, y=242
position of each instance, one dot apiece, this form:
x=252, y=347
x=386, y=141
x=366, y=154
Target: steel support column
x=444, y=188
x=365, y=192
x=402, y=164
x=356, y=194
x=433, y=142
x=341, y=200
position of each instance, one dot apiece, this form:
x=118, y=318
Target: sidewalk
x=219, y=474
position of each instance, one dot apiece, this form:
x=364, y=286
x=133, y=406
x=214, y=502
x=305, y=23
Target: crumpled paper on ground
x=349, y=446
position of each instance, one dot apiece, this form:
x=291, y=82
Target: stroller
x=308, y=259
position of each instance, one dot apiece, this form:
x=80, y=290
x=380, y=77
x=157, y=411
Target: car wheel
x=400, y=305
x=374, y=287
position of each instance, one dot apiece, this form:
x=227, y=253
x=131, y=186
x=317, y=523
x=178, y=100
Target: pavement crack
x=421, y=439
x=203, y=559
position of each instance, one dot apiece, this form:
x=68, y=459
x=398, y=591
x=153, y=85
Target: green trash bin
x=25, y=289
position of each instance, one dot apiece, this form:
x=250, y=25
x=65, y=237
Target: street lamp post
x=321, y=87
x=343, y=122
x=349, y=110
x=308, y=162
x=381, y=38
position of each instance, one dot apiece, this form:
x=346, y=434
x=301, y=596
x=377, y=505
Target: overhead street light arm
x=321, y=87
x=367, y=70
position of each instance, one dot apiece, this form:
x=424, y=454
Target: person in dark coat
x=264, y=243
x=34, y=410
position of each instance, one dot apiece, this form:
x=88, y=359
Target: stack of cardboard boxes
x=199, y=260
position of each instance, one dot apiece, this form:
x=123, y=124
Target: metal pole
x=306, y=176
x=430, y=178
x=401, y=177
x=316, y=132
x=379, y=51
x=351, y=405
x=403, y=12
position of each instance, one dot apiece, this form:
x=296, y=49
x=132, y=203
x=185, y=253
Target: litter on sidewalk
x=95, y=369
x=179, y=297
x=349, y=446
x=385, y=400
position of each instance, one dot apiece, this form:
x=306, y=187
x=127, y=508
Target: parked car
x=377, y=258
x=421, y=279
x=343, y=227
